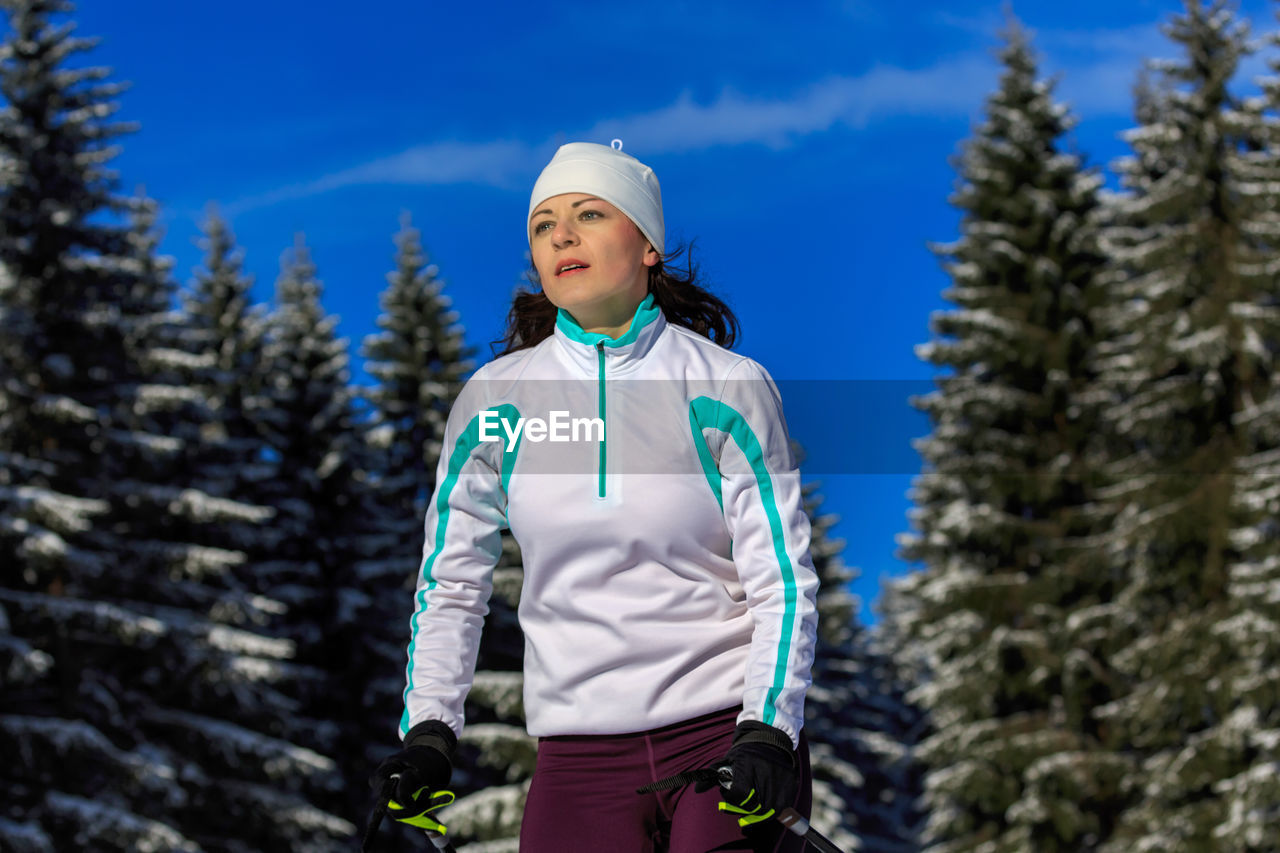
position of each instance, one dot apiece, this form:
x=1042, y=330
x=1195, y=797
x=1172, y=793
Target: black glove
x=766, y=773
x=425, y=762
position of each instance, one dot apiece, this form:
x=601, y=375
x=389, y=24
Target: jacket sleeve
x=464, y=520
x=764, y=512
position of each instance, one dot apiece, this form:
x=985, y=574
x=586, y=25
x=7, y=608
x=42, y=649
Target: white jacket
x=666, y=567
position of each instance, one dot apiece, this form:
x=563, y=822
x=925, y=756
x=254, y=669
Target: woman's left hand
x=765, y=772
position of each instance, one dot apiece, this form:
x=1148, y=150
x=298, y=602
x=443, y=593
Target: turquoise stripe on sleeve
x=705, y=411
x=462, y=450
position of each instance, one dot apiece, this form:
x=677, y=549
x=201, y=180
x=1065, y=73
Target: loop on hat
x=617, y=144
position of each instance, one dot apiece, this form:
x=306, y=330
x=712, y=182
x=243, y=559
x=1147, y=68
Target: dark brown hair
x=532, y=316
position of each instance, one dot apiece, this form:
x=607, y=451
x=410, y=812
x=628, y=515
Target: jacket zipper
x=600, y=353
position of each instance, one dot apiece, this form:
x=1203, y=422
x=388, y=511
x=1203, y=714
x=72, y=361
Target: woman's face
x=591, y=259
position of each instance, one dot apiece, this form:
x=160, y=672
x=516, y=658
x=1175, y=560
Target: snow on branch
x=507, y=584
x=244, y=642
x=44, y=741
x=60, y=513
x=236, y=746
x=158, y=444
x=369, y=571
x=290, y=814
x=174, y=358
x=1248, y=631
x=38, y=545
x=201, y=507
x=823, y=758
x=828, y=814
x=503, y=691
x=504, y=845
x=257, y=670
x=127, y=626
x=64, y=410
x=25, y=464
x=184, y=560
x=1256, y=579
x=20, y=663
x=493, y=812
x=1252, y=810
x=161, y=398
x=106, y=827
x=194, y=504
x=24, y=837
x=503, y=747
x=239, y=608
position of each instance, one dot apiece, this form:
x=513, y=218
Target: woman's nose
x=563, y=234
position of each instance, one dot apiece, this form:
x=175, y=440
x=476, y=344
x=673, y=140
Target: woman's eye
x=587, y=213
x=537, y=229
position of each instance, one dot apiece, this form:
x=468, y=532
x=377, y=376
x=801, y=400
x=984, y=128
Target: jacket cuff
x=750, y=731
x=435, y=734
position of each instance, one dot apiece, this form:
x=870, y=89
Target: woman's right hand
x=425, y=762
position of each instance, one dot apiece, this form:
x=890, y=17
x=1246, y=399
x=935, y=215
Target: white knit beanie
x=607, y=173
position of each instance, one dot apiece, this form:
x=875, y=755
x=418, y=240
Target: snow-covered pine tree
x=321, y=497
x=115, y=661
x=860, y=728
x=170, y=533
x=987, y=621
x=213, y=350
x=45, y=413
x=420, y=361
x=1251, y=796
x=216, y=350
x=222, y=341
x=1191, y=322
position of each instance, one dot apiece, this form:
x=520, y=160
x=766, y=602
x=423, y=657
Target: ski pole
x=722, y=775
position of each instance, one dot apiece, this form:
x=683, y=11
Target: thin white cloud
x=951, y=87
x=1096, y=68
x=492, y=163
x=439, y=163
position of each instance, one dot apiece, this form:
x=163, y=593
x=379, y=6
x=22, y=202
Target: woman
x=669, y=596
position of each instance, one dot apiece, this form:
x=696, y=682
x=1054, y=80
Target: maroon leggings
x=583, y=795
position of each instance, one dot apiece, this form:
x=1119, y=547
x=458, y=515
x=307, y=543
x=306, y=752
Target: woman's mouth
x=570, y=267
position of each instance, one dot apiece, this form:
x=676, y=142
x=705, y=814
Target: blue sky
x=804, y=146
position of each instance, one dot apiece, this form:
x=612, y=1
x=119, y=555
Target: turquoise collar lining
x=646, y=313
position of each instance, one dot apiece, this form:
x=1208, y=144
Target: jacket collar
x=582, y=348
